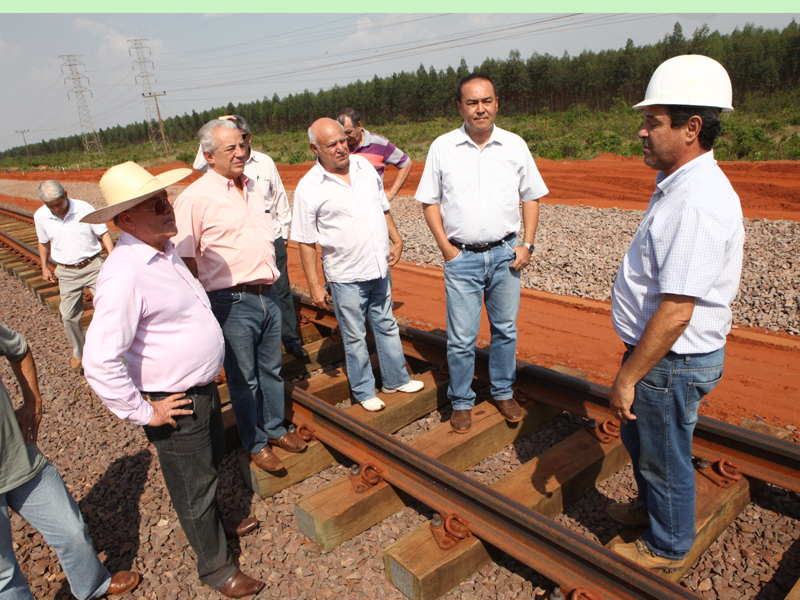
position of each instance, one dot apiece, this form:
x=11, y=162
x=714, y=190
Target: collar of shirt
x=48, y=214
x=228, y=183
x=366, y=140
x=145, y=251
x=494, y=138
x=322, y=174
x=664, y=184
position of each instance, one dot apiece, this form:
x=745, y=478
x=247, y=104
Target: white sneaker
x=408, y=388
x=373, y=404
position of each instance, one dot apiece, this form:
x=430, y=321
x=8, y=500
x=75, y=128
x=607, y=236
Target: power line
x=154, y=130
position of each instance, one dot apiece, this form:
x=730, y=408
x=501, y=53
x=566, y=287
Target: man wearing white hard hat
x=152, y=354
x=671, y=304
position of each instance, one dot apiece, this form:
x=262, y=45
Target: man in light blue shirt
x=671, y=304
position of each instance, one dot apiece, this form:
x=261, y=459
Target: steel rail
x=21, y=248
x=755, y=454
x=13, y=214
x=550, y=549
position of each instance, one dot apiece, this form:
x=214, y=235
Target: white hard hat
x=691, y=79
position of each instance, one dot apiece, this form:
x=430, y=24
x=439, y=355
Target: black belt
x=81, y=264
x=261, y=288
x=198, y=390
x=482, y=247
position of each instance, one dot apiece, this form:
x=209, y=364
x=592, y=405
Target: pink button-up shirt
x=230, y=237
x=153, y=330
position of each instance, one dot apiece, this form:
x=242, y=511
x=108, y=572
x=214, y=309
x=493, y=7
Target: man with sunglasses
x=153, y=351
x=75, y=247
x=261, y=168
x=225, y=237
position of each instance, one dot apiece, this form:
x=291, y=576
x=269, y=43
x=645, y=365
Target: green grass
x=760, y=129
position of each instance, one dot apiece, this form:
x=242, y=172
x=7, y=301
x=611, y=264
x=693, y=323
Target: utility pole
x=150, y=98
x=23, y=132
x=91, y=141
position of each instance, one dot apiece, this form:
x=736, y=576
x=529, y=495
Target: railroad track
x=516, y=513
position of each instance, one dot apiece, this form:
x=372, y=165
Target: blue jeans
x=354, y=304
x=659, y=442
x=470, y=279
x=284, y=290
x=189, y=457
x=47, y=505
x=251, y=325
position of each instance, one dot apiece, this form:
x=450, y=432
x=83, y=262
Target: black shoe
x=296, y=350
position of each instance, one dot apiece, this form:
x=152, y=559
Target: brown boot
x=461, y=420
x=266, y=460
x=639, y=553
x=630, y=514
x=291, y=442
x=122, y=582
x=240, y=585
x=509, y=409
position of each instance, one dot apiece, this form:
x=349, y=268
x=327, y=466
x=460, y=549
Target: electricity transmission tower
x=91, y=142
x=155, y=126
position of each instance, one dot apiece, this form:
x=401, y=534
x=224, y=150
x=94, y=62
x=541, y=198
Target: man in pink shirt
x=152, y=353
x=225, y=237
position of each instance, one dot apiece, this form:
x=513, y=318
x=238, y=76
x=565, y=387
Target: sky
x=204, y=61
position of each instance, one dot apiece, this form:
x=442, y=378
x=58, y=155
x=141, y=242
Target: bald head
x=327, y=140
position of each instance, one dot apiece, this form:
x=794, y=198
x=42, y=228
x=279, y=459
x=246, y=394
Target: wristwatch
x=528, y=246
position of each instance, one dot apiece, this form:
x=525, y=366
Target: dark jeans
x=251, y=325
x=282, y=286
x=189, y=457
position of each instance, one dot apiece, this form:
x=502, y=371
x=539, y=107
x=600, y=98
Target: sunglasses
x=160, y=206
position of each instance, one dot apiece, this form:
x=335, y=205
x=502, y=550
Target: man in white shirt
x=261, y=168
x=470, y=190
x=340, y=204
x=75, y=246
x=671, y=304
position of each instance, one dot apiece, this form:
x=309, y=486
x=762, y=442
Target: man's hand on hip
x=523, y=258
x=449, y=252
x=165, y=411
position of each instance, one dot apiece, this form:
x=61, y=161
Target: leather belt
x=261, y=288
x=481, y=247
x=192, y=391
x=81, y=264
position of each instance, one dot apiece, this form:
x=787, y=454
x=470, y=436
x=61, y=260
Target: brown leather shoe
x=122, y=583
x=461, y=420
x=266, y=460
x=234, y=529
x=509, y=409
x=291, y=442
x=74, y=363
x=240, y=585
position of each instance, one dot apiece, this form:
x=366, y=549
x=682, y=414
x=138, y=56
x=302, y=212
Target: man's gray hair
x=311, y=137
x=241, y=122
x=50, y=190
x=206, y=133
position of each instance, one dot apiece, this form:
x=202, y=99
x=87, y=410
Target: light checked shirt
x=152, y=330
x=261, y=169
x=478, y=189
x=70, y=240
x=346, y=220
x=230, y=237
x=690, y=243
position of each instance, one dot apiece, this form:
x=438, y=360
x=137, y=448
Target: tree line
x=761, y=62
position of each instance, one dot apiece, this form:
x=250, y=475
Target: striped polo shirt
x=380, y=152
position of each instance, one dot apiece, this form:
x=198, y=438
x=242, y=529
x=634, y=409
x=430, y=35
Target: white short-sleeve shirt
x=479, y=189
x=70, y=240
x=690, y=243
x=347, y=221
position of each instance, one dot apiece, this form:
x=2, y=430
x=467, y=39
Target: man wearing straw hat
x=226, y=239
x=152, y=354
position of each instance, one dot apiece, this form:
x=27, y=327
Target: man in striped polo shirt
x=375, y=148
x=671, y=304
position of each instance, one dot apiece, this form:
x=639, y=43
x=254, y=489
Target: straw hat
x=126, y=185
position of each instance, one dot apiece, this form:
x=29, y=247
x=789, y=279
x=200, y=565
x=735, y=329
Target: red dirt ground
x=760, y=370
